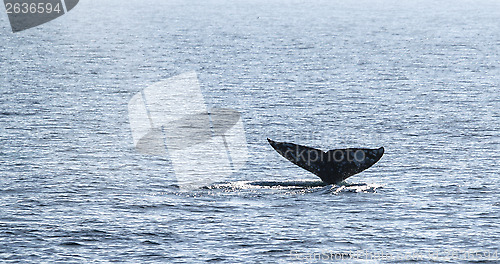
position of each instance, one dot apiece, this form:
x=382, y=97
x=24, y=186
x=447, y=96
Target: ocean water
x=421, y=79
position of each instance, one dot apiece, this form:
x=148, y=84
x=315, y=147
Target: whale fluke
x=332, y=166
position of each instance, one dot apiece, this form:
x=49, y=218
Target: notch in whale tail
x=332, y=166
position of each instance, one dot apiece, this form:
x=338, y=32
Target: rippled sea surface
x=422, y=80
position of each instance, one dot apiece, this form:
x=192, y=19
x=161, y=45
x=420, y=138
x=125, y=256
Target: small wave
x=5, y=113
x=149, y=242
x=71, y=244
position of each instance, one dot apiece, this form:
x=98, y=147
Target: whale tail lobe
x=332, y=166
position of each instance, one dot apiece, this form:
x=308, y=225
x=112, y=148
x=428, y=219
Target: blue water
x=421, y=79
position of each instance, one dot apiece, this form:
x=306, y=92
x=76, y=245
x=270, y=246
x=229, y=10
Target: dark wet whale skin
x=332, y=166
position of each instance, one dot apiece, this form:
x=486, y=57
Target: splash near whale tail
x=332, y=166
